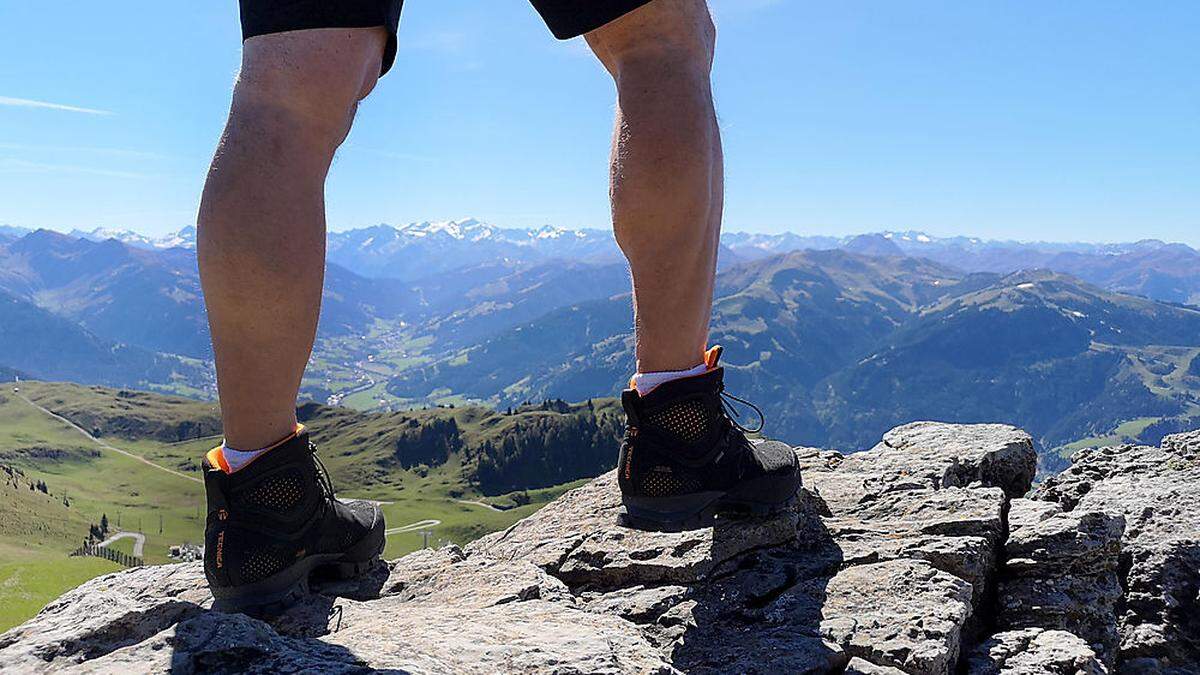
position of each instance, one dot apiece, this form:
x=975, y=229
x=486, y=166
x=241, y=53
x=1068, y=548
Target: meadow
x=123, y=470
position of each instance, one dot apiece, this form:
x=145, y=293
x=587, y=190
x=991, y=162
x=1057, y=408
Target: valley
x=132, y=459
x=837, y=338
x=440, y=375
x=435, y=338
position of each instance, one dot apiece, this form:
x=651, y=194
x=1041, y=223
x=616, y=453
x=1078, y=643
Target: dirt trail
x=84, y=432
x=412, y=527
x=138, y=544
x=475, y=503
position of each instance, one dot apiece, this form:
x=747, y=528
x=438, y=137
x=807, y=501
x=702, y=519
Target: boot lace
x=322, y=476
x=731, y=411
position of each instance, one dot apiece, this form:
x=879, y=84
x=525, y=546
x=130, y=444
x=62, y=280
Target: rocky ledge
x=921, y=555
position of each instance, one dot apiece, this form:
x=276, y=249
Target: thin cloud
x=46, y=105
x=118, y=152
x=13, y=165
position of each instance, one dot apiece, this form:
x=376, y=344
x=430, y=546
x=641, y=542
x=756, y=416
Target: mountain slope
x=484, y=303
x=836, y=348
x=43, y=345
x=151, y=298
x=1057, y=354
x=786, y=321
x=1170, y=272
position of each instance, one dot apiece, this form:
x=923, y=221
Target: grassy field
x=36, y=532
x=1129, y=432
x=123, y=545
x=31, y=577
x=1126, y=432
x=155, y=488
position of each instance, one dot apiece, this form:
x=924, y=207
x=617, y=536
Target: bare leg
x=667, y=177
x=261, y=227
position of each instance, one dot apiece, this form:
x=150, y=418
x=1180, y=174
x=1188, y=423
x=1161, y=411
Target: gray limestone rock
x=1034, y=651
x=1157, y=493
x=888, y=563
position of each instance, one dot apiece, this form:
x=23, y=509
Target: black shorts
x=566, y=18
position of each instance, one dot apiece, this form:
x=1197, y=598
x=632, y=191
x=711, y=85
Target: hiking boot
x=276, y=521
x=684, y=460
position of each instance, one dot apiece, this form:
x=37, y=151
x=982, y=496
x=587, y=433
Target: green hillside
x=1066, y=361
x=133, y=457
x=35, y=341
x=838, y=348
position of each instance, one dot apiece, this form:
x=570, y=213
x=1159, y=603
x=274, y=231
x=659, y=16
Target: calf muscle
x=261, y=226
x=667, y=177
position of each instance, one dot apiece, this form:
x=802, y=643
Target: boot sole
x=700, y=510
x=276, y=593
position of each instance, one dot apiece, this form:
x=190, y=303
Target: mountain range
x=838, y=339
x=1156, y=269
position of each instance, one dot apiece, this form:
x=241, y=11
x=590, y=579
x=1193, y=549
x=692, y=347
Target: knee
x=666, y=36
x=304, y=87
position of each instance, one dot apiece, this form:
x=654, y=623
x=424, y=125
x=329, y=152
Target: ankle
x=230, y=459
x=263, y=434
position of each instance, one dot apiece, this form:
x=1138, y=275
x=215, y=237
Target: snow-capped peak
x=468, y=229
x=184, y=238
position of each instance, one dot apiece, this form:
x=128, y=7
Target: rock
x=988, y=454
x=900, y=613
x=956, y=530
x=1157, y=492
x=1185, y=446
x=927, y=455
x=887, y=564
x=106, y=614
x=447, y=576
x=1060, y=573
x=1075, y=543
x=532, y=636
x=861, y=667
x=1034, y=651
x=1024, y=512
x=579, y=539
x=1085, y=605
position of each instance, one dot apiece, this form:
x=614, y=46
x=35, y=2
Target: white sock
x=236, y=459
x=646, y=382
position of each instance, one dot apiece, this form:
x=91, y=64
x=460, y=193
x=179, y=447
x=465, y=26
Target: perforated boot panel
x=667, y=484
x=281, y=492
x=261, y=564
x=689, y=420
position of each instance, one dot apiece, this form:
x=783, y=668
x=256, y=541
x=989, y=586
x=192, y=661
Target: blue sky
x=1067, y=120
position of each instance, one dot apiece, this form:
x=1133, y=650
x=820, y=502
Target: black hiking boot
x=684, y=460
x=275, y=522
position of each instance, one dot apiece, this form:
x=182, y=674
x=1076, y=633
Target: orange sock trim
x=216, y=456
x=713, y=356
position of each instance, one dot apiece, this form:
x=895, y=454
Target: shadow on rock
x=235, y=643
x=762, y=611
